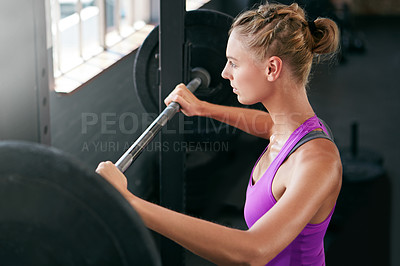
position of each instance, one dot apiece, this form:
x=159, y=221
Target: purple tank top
x=308, y=247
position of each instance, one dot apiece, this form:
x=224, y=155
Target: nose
x=225, y=74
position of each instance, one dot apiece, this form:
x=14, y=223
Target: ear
x=274, y=68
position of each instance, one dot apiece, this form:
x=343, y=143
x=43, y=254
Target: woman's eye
x=232, y=64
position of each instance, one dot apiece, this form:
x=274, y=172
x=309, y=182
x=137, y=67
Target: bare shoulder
x=319, y=149
x=318, y=162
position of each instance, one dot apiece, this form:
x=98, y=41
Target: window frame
x=142, y=16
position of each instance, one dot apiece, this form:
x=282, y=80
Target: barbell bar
x=200, y=78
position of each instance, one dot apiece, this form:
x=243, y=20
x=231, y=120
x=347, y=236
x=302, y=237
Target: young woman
x=294, y=185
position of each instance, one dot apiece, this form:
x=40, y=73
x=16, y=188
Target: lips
x=233, y=88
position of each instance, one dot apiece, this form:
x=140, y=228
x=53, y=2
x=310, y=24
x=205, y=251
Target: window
x=87, y=36
x=90, y=35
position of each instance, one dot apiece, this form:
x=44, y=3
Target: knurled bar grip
x=148, y=135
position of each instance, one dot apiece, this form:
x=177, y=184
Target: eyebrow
x=231, y=57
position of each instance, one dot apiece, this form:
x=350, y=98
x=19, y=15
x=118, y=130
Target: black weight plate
x=56, y=212
x=206, y=32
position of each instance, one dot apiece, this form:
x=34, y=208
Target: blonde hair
x=283, y=31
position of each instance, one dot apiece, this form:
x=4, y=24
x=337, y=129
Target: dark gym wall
x=24, y=73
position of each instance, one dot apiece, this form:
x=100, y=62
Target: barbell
x=56, y=211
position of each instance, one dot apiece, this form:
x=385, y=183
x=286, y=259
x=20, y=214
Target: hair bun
x=325, y=36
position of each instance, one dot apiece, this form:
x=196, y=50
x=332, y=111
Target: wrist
x=204, y=108
x=128, y=195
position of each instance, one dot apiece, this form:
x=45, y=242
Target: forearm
x=216, y=243
x=252, y=121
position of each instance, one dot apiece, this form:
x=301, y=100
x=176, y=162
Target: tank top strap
x=309, y=125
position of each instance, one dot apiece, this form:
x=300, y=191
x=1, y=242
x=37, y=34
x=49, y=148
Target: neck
x=288, y=108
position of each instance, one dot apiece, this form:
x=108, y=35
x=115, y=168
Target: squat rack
x=172, y=72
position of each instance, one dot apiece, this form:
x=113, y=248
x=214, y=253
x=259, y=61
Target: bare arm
x=254, y=122
x=211, y=241
x=269, y=235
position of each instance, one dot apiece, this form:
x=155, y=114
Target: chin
x=245, y=101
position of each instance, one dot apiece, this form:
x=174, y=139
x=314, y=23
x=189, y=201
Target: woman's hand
x=190, y=104
x=114, y=176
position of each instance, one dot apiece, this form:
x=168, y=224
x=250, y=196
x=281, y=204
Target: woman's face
x=247, y=77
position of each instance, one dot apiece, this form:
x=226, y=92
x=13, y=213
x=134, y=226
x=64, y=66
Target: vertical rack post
x=172, y=159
